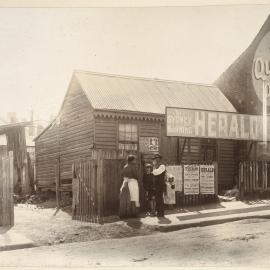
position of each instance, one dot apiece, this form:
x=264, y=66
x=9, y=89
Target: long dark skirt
x=127, y=209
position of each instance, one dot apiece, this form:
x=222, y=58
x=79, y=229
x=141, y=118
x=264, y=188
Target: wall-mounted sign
x=191, y=179
x=207, y=179
x=177, y=172
x=148, y=144
x=261, y=69
x=211, y=124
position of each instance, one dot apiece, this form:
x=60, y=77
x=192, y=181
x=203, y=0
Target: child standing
x=169, y=195
x=149, y=186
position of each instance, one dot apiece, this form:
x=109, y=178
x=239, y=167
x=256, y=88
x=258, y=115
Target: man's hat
x=148, y=165
x=157, y=156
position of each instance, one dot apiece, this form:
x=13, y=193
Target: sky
x=41, y=47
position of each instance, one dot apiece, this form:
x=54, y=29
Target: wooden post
x=257, y=176
x=57, y=181
x=265, y=179
x=25, y=181
x=100, y=186
x=75, y=192
x=216, y=177
x=6, y=190
x=1, y=193
x=241, y=179
x=11, y=187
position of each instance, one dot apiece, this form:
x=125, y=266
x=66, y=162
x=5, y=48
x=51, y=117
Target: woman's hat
x=130, y=158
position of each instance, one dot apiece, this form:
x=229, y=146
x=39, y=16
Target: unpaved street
x=47, y=226
x=242, y=243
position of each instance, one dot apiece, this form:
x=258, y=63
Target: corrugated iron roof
x=123, y=93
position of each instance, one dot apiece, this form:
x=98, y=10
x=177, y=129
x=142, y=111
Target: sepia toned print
x=134, y=136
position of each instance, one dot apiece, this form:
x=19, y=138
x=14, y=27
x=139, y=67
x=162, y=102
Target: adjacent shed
x=127, y=114
x=13, y=138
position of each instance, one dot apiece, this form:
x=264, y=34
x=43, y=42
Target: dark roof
x=126, y=93
x=5, y=128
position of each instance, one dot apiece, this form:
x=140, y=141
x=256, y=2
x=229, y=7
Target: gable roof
x=107, y=92
x=123, y=93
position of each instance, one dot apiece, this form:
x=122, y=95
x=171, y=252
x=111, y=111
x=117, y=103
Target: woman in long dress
x=129, y=192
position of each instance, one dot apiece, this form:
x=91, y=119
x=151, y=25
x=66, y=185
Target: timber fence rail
x=96, y=183
x=253, y=178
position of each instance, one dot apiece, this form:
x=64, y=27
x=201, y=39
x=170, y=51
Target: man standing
x=159, y=171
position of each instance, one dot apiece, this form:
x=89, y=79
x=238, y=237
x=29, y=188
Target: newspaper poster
x=207, y=179
x=176, y=171
x=148, y=144
x=191, y=179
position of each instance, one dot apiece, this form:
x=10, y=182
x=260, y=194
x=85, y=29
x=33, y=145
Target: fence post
x=257, y=176
x=265, y=179
x=216, y=177
x=1, y=193
x=100, y=192
x=57, y=183
x=241, y=179
x=11, y=186
x=75, y=191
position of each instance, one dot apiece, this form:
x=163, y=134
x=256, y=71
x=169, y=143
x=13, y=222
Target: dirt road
x=47, y=226
x=242, y=243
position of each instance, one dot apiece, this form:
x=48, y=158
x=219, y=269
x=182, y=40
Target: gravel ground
x=44, y=225
x=237, y=244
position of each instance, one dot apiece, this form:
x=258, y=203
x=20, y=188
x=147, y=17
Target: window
x=128, y=133
x=128, y=136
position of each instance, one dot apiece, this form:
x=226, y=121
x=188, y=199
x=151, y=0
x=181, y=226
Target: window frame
x=124, y=141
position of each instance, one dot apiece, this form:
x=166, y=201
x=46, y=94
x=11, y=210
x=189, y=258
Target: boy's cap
x=148, y=165
x=157, y=156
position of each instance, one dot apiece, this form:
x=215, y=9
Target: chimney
x=32, y=128
x=12, y=117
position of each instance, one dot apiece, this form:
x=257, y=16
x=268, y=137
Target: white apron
x=169, y=195
x=133, y=190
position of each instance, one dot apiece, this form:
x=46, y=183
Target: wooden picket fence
x=96, y=184
x=6, y=190
x=95, y=188
x=254, y=178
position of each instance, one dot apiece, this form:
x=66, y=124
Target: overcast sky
x=40, y=47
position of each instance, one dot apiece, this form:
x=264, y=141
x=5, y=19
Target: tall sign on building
x=246, y=83
x=261, y=77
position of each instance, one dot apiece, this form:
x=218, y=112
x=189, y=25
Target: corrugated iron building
x=127, y=114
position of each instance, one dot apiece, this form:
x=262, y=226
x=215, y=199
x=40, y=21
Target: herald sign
x=211, y=124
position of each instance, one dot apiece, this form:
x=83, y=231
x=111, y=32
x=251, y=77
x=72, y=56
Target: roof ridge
x=141, y=78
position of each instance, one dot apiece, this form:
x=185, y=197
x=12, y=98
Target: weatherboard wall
x=47, y=152
x=71, y=137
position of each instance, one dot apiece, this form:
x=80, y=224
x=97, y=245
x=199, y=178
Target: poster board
x=207, y=179
x=191, y=179
x=148, y=144
x=177, y=172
